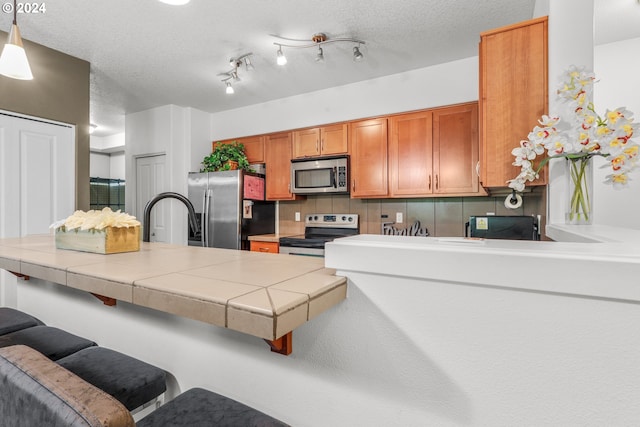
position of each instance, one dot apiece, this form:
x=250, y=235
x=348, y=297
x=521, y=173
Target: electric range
x=319, y=229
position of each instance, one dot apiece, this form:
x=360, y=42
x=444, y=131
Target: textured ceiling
x=145, y=54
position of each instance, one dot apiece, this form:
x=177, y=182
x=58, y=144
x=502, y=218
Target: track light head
x=357, y=55
x=229, y=89
x=320, y=55
x=281, y=59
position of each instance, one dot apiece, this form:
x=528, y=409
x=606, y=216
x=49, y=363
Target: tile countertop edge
x=601, y=270
x=270, y=327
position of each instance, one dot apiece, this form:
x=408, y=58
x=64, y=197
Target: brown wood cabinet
x=455, y=149
x=410, y=154
x=434, y=152
x=513, y=95
x=253, y=147
x=369, y=173
x=270, y=247
x=278, y=166
x=320, y=141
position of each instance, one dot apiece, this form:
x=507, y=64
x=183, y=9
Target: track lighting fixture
x=281, y=59
x=233, y=73
x=357, y=55
x=317, y=40
x=13, y=60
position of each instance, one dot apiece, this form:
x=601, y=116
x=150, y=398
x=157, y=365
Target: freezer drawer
x=503, y=227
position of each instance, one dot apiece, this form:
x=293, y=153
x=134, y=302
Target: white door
x=150, y=179
x=37, y=180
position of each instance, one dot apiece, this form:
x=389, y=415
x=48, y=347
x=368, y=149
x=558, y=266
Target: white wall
x=117, y=166
x=570, y=43
x=107, y=156
x=443, y=84
x=616, y=67
x=99, y=165
x=173, y=131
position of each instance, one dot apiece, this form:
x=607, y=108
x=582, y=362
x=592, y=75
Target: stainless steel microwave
x=320, y=175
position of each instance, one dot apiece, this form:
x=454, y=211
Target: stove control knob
x=350, y=219
x=315, y=218
x=344, y=218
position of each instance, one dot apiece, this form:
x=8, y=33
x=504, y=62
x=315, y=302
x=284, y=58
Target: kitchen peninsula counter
x=264, y=295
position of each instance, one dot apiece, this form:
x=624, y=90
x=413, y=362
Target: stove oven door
x=293, y=250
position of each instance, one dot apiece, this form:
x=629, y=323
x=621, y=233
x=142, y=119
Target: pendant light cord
x=15, y=12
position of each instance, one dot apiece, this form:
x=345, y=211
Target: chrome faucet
x=193, y=219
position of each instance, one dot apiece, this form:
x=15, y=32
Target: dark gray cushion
x=197, y=407
x=12, y=320
x=129, y=380
x=34, y=391
x=52, y=342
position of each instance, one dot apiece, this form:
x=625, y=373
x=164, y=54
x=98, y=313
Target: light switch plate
x=297, y=216
x=398, y=217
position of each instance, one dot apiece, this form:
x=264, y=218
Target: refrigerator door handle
x=209, y=212
x=204, y=218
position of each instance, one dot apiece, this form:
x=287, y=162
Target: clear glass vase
x=579, y=209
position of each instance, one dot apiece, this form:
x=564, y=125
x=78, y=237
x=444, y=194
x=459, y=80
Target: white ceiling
x=145, y=54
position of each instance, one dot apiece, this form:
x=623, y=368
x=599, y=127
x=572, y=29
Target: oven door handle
x=335, y=177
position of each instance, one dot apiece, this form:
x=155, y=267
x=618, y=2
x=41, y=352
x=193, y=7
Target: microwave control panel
x=342, y=177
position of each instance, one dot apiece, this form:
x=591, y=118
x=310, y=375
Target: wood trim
x=510, y=27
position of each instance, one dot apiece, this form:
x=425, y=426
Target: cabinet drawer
x=271, y=247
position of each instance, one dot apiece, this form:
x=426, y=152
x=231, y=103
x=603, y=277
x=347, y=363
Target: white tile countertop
x=264, y=295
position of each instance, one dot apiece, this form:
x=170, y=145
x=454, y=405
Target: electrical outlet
x=297, y=216
x=398, y=217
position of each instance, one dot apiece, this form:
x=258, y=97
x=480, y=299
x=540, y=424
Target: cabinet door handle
x=317, y=146
x=478, y=168
x=429, y=182
x=353, y=185
x=437, y=182
x=263, y=249
x=322, y=145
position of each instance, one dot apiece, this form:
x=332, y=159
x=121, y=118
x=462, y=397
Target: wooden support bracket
x=283, y=345
x=20, y=275
x=105, y=300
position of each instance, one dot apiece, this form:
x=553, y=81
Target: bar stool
x=52, y=342
x=12, y=320
x=131, y=381
x=198, y=407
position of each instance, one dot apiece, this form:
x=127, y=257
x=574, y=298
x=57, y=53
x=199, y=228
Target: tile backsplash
x=443, y=216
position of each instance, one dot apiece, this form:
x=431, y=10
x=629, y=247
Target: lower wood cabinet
x=368, y=143
x=270, y=247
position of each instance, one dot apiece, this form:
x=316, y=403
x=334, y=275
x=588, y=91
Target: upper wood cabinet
x=455, y=149
x=410, y=154
x=253, y=147
x=369, y=174
x=513, y=95
x=321, y=141
x=278, y=166
x=434, y=152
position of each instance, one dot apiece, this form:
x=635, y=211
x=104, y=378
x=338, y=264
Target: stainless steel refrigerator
x=230, y=206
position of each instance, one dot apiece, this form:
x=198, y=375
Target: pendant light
x=13, y=61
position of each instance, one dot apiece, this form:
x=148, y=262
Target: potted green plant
x=226, y=157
